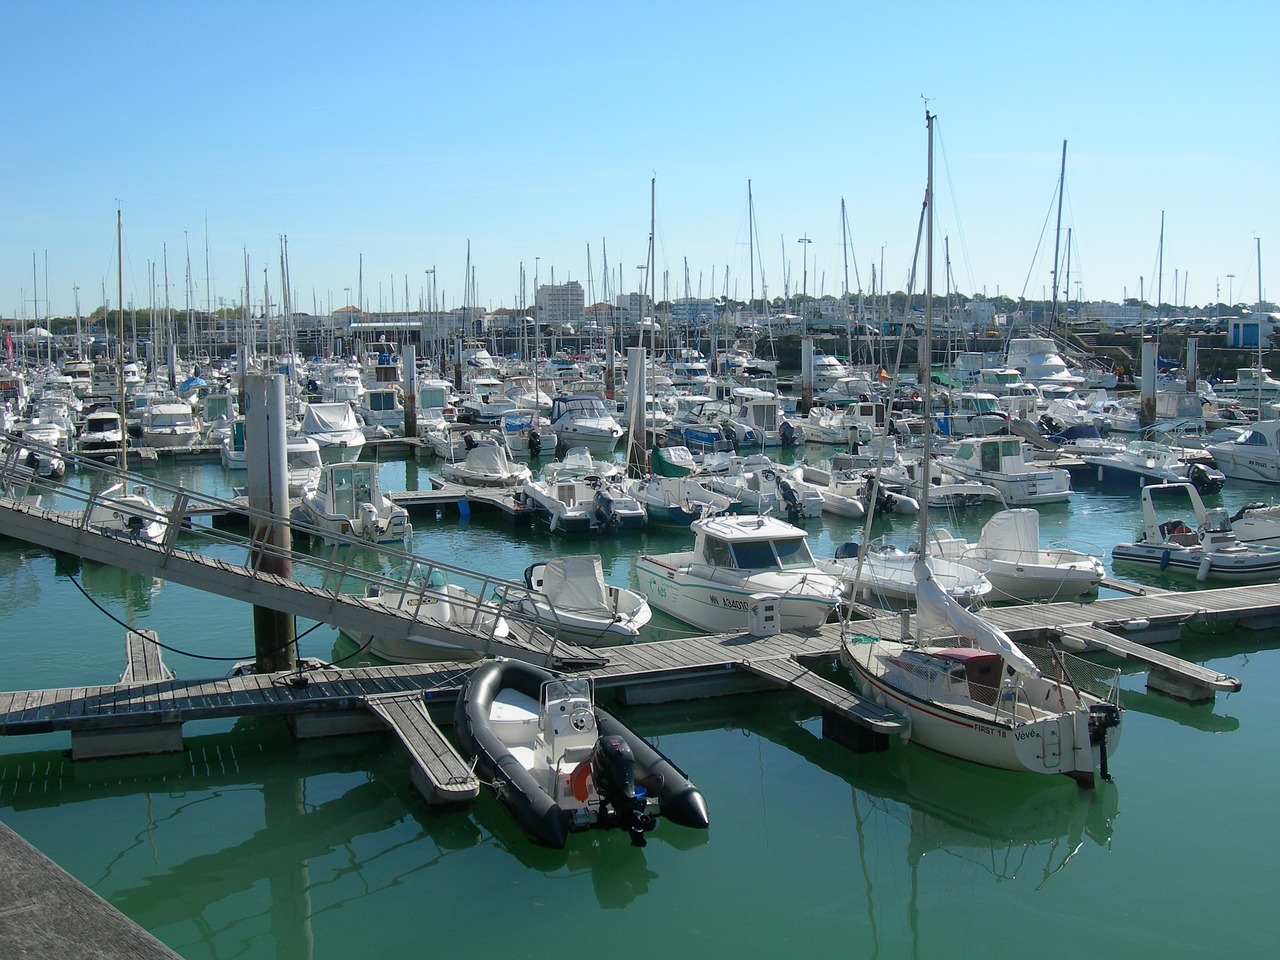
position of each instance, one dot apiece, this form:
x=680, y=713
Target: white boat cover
x=577, y=584
x=329, y=418
x=1011, y=535
x=487, y=460
x=938, y=615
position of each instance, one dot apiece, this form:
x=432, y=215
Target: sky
x=398, y=136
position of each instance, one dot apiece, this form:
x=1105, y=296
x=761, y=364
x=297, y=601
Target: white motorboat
x=485, y=465
x=449, y=620
x=169, y=424
x=303, y=464
x=347, y=502
x=584, y=505
x=582, y=420
x=884, y=571
x=485, y=402
x=743, y=573
x=1253, y=455
x=1009, y=553
x=569, y=598
x=972, y=414
x=1210, y=550
x=382, y=409
x=335, y=429
x=999, y=462
x=678, y=501
x=763, y=486
x=527, y=434
x=1143, y=462
x=128, y=512
x=232, y=446
x=756, y=420
x=101, y=433
x=577, y=464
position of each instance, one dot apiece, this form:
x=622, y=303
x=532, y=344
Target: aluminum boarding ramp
x=57, y=515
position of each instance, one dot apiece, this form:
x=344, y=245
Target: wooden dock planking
x=830, y=696
x=442, y=776
x=1192, y=675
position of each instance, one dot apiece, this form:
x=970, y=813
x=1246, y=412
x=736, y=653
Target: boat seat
x=578, y=753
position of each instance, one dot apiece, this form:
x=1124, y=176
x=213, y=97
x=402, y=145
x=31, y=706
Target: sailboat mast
x=1057, y=236
x=124, y=432
x=926, y=345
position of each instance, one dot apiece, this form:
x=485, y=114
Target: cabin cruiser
x=101, y=433
x=485, y=402
x=1253, y=455
x=347, y=502
x=743, y=574
x=999, y=462
x=756, y=421
x=382, y=409
x=582, y=420
x=169, y=424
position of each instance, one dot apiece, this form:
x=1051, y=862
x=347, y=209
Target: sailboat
x=117, y=510
x=967, y=689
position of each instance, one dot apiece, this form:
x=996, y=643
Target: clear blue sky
x=402, y=131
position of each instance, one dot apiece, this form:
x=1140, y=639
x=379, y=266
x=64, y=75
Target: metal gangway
x=195, y=553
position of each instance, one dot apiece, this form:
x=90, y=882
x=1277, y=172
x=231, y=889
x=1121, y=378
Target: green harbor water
x=250, y=845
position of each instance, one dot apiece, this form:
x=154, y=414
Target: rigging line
x=1036, y=256
x=955, y=208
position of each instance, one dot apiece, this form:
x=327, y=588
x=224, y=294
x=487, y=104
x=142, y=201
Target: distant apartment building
x=560, y=303
x=634, y=307
x=691, y=313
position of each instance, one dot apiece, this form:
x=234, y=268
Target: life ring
x=578, y=781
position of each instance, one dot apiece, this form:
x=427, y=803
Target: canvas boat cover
x=577, y=584
x=1012, y=535
x=329, y=418
x=487, y=459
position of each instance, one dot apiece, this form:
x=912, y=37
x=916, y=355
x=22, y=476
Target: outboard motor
x=787, y=433
x=535, y=442
x=1102, y=717
x=613, y=773
x=790, y=498
x=848, y=550
x=605, y=515
x=1204, y=479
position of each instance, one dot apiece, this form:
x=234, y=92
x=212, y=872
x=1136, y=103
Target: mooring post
x=806, y=374
x=273, y=631
x=409, y=374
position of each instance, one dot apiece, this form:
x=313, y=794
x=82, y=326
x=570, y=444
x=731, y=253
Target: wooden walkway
x=439, y=772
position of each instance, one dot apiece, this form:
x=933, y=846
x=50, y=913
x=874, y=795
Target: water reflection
x=104, y=582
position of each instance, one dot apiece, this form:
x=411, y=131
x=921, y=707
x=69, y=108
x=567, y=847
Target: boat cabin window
x=771, y=554
x=1253, y=438
x=717, y=553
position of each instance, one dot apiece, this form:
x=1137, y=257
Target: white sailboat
x=969, y=690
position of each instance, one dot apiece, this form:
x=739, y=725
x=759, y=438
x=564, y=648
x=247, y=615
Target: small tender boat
x=347, y=502
x=570, y=599
x=1210, y=550
x=527, y=434
x=559, y=763
x=128, y=513
x=587, y=505
x=334, y=427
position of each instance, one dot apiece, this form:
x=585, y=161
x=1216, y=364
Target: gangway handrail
x=15, y=475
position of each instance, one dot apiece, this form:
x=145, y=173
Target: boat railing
x=346, y=565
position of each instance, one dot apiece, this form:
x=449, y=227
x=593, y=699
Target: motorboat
x=584, y=505
x=232, y=448
x=217, y=412
x=125, y=511
x=999, y=462
x=303, y=464
x=1209, y=549
x=43, y=446
x=486, y=402
x=558, y=763
x=969, y=691
x=970, y=413
x=485, y=465
x=382, y=409
x=527, y=434
x=348, y=502
x=1253, y=455
x=582, y=420
x=101, y=432
x=1009, y=554
x=569, y=599
x=763, y=486
x=756, y=421
x=1143, y=462
x=169, y=424
x=449, y=620
x=1251, y=384
x=886, y=572
x=743, y=573
x=577, y=463
x=335, y=429
x=678, y=501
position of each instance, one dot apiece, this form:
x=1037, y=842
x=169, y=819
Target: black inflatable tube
x=541, y=819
